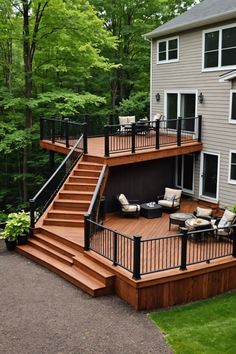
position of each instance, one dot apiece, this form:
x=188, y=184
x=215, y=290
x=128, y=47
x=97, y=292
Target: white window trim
x=167, y=50
x=201, y=196
x=219, y=67
x=232, y=121
x=187, y=191
x=231, y=181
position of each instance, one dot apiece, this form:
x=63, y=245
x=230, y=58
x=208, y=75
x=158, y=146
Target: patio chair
x=128, y=207
x=126, y=123
x=170, y=201
x=222, y=225
x=203, y=213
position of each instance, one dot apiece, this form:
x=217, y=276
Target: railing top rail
x=58, y=169
x=108, y=229
x=95, y=194
x=64, y=120
x=161, y=238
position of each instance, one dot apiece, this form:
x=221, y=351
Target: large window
x=220, y=48
x=232, y=166
x=232, y=112
x=167, y=50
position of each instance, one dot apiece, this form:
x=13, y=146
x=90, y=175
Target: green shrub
x=17, y=225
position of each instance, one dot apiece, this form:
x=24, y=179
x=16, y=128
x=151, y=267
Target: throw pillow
x=203, y=212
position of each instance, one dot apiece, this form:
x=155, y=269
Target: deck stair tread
x=50, y=251
x=80, y=184
x=63, y=222
x=66, y=214
x=85, y=171
x=73, y=274
x=62, y=212
x=76, y=192
x=57, y=245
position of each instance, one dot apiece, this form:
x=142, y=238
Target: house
x=193, y=85
x=193, y=72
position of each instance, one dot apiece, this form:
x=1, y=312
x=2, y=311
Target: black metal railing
x=151, y=134
x=63, y=131
x=44, y=197
x=142, y=257
x=95, y=210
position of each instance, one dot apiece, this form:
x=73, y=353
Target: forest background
x=68, y=58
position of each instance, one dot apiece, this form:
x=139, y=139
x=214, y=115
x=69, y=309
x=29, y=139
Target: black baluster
x=136, y=266
x=184, y=239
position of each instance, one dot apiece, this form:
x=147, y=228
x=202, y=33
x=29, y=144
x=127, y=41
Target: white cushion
x=229, y=215
x=203, y=212
x=176, y=192
x=123, y=200
x=157, y=116
x=131, y=207
x=170, y=197
x=123, y=120
x=168, y=204
x=131, y=119
x=223, y=222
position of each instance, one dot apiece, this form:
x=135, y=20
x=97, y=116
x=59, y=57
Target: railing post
x=85, y=138
x=86, y=232
x=133, y=131
x=234, y=242
x=157, y=123
x=114, y=248
x=179, y=127
x=53, y=131
x=199, y=138
x=106, y=136
x=67, y=132
x=41, y=128
x=32, y=212
x=137, y=249
x=184, y=239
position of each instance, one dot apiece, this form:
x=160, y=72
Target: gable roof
x=230, y=75
x=206, y=13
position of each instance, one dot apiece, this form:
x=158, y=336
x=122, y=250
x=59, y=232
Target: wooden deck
x=96, y=149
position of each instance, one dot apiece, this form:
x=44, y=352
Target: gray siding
x=218, y=134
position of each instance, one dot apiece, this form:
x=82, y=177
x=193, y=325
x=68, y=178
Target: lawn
x=206, y=327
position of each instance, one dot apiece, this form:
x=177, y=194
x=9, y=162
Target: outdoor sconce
x=158, y=97
x=200, y=98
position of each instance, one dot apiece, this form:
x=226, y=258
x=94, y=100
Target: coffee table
x=151, y=212
x=197, y=224
x=179, y=219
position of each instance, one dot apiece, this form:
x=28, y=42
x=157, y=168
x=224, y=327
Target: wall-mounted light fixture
x=200, y=98
x=158, y=97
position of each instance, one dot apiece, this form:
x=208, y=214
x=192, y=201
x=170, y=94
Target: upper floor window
x=232, y=167
x=232, y=113
x=220, y=48
x=168, y=50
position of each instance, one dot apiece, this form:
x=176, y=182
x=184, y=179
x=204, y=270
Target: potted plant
x=233, y=209
x=17, y=229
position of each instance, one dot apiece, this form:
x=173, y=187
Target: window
x=232, y=167
x=220, y=48
x=232, y=114
x=167, y=51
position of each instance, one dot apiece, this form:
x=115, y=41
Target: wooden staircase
x=52, y=245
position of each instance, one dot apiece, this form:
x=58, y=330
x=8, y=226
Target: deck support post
x=86, y=232
x=85, y=138
x=157, y=124
x=184, y=239
x=114, y=248
x=234, y=242
x=137, y=249
x=106, y=136
x=133, y=131
x=52, y=161
x=32, y=210
x=199, y=138
x=179, y=127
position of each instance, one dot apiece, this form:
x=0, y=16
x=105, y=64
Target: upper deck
x=137, y=144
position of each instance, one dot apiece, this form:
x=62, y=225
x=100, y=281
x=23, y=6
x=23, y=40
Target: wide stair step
x=79, y=187
x=67, y=205
x=84, y=195
x=87, y=173
x=89, y=166
x=76, y=276
x=68, y=215
x=63, y=222
x=84, y=179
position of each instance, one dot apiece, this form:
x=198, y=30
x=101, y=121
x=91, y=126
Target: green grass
x=206, y=327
